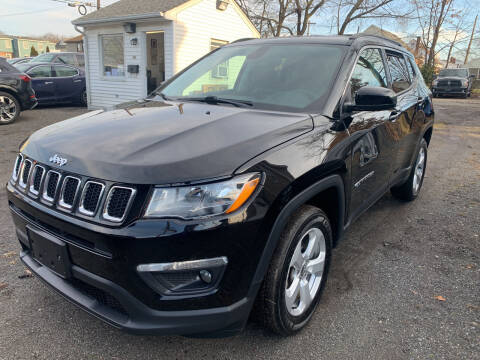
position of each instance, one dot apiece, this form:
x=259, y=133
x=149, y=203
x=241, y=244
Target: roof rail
x=359, y=35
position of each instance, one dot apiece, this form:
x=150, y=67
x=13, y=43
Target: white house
x=132, y=46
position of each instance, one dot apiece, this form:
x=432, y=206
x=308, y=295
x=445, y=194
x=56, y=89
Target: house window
x=8, y=44
x=40, y=46
x=25, y=45
x=112, y=55
x=221, y=70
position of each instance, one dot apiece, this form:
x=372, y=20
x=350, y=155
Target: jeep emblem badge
x=57, y=160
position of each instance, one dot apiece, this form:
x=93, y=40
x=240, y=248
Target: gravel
x=404, y=284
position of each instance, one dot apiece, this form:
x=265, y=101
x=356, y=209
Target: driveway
x=405, y=281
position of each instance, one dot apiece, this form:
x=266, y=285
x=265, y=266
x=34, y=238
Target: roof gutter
x=118, y=19
x=87, y=73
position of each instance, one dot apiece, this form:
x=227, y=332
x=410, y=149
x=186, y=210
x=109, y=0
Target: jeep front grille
x=91, y=196
x=38, y=172
x=76, y=194
x=27, y=166
x=51, y=185
x=69, y=192
x=118, y=201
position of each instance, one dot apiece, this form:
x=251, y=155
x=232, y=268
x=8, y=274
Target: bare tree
x=304, y=10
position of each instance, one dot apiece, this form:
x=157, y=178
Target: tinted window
x=454, y=72
x=40, y=71
x=398, y=71
x=64, y=71
x=284, y=77
x=81, y=60
x=369, y=71
x=411, y=69
x=66, y=59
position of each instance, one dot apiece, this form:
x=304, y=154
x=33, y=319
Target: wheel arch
x=328, y=188
x=427, y=135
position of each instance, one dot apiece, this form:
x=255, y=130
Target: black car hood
x=158, y=143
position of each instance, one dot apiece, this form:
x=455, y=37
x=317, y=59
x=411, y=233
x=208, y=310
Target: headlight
x=435, y=82
x=203, y=200
x=464, y=83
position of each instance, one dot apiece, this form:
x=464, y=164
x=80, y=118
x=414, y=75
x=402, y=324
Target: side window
x=41, y=71
x=369, y=71
x=66, y=59
x=64, y=71
x=411, y=69
x=398, y=71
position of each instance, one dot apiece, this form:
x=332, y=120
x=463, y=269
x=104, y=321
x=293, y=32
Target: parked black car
x=453, y=82
x=70, y=58
x=16, y=61
x=178, y=213
x=56, y=83
x=16, y=93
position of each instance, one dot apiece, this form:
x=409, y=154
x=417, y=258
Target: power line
x=28, y=12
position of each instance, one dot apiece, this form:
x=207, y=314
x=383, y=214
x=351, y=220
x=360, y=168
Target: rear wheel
x=9, y=108
x=296, y=277
x=83, y=98
x=411, y=188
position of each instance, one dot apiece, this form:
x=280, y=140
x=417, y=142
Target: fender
x=282, y=219
x=9, y=89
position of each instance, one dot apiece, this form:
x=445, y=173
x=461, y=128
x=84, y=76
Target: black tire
x=83, y=98
x=8, y=116
x=408, y=191
x=270, y=308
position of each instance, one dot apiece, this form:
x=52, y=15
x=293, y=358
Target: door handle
x=77, y=80
x=48, y=82
x=394, y=115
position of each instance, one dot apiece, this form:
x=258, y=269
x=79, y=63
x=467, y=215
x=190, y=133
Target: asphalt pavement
x=404, y=282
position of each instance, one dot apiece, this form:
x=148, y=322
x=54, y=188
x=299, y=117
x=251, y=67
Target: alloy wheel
x=305, y=272
x=419, y=170
x=8, y=109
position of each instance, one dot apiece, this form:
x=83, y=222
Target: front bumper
x=104, y=280
x=449, y=91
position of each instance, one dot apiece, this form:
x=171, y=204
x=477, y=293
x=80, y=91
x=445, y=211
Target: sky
x=37, y=17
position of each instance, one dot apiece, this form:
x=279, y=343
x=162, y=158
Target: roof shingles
x=124, y=8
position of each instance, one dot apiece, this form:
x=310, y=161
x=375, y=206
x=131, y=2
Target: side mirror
x=373, y=98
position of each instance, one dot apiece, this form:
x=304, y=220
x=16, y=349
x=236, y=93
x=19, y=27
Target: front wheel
x=9, y=108
x=411, y=188
x=296, y=277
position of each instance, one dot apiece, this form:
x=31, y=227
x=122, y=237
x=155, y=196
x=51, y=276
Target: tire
x=83, y=98
x=9, y=108
x=271, y=307
x=411, y=188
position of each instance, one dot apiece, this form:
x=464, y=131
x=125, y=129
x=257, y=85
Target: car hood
x=154, y=142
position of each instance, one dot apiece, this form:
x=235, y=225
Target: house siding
x=196, y=25
x=106, y=92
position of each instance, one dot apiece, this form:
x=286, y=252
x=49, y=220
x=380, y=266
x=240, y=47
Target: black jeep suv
x=226, y=188
x=453, y=82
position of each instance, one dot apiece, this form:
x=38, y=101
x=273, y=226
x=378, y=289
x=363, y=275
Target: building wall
x=105, y=92
x=196, y=25
x=6, y=47
x=23, y=47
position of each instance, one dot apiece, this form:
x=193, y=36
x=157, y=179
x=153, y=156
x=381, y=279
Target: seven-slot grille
x=71, y=193
x=452, y=83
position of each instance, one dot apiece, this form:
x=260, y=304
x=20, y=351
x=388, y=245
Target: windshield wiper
x=217, y=100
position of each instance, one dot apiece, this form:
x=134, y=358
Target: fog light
x=187, y=278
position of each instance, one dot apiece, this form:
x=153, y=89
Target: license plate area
x=49, y=251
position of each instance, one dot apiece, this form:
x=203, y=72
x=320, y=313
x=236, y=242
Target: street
x=404, y=282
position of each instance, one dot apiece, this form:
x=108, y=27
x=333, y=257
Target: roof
x=75, y=39
x=129, y=9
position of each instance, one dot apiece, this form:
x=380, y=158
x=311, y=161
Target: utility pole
x=471, y=39
x=308, y=27
x=98, y=4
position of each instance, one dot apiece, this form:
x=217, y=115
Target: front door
x=68, y=83
x=375, y=134
x=155, y=60
x=42, y=83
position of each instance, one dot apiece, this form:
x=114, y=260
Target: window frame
x=102, y=66
x=384, y=61
x=388, y=69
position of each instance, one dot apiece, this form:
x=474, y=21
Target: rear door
x=374, y=134
x=42, y=83
x=409, y=116
x=67, y=82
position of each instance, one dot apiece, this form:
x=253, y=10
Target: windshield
x=275, y=77
x=43, y=58
x=453, y=72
